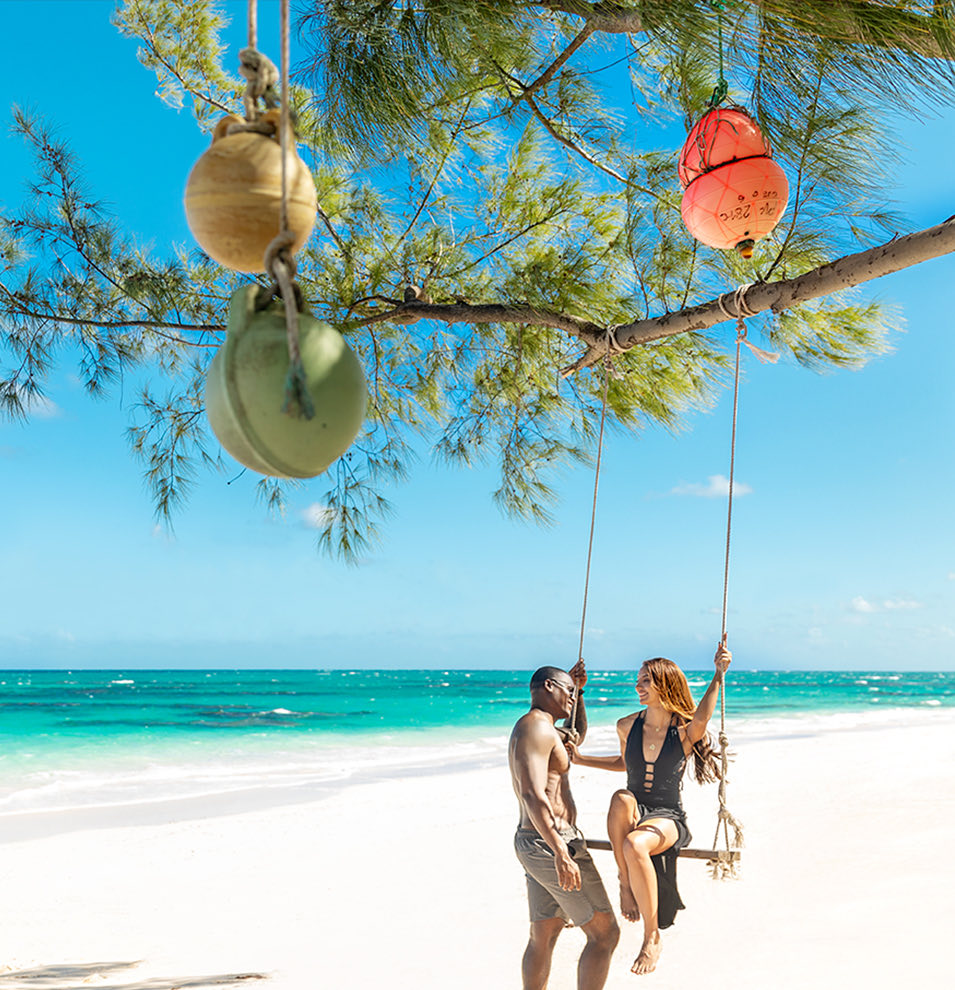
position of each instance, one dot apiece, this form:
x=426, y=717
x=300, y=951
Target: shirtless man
x=563, y=886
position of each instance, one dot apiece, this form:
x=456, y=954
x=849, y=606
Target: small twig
x=546, y=76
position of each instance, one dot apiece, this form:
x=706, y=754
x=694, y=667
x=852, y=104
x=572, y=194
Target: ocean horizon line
x=592, y=669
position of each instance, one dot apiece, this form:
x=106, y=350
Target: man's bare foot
x=649, y=956
x=628, y=903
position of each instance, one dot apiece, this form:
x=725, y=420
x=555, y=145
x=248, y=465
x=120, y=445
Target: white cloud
x=40, y=407
x=900, y=603
x=951, y=575
x=317, y=516
x=717, y=486
x=860, y=604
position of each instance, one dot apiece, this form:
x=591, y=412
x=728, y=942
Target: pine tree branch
x=478, y=313
x=155, y=326
x=149, y=38
x=859, y=21
x=608, y=16
x=545, y=77
x=570, y=145
x=525, y=94
x=853, y=269
x=326, y=221
x=434, y=181
x=845, y=21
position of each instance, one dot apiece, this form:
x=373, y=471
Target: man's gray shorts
x=545, y=899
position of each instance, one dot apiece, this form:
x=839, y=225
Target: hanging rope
x=261, y=77
x=612, y=347
x=726, y=867
x=722, y=87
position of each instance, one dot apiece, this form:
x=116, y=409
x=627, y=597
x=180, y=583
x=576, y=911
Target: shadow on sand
x=85, y=976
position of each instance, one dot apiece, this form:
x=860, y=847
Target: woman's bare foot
x=628, y=903
x=646, y=962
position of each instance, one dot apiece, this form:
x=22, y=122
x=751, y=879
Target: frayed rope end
x=298, y=400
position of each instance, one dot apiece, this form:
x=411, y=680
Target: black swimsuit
x=656, y=786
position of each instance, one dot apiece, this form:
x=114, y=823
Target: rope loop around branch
x=740, y=307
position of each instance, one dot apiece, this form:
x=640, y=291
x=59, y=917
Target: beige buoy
x=234, y=196
x=245, y=391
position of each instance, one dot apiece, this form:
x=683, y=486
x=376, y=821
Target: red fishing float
x=734, y=193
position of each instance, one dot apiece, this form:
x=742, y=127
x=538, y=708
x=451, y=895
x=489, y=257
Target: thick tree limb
x=609, y=17
x=475, y=313
x=847, y=21
x=854, y=269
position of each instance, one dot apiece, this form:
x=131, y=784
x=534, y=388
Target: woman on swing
x=646, y=822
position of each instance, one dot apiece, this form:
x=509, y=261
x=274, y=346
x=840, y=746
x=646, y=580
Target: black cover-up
x=656, y=786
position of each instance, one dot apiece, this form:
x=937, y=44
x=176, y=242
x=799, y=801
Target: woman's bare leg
x=651, y=837
x=621, y=821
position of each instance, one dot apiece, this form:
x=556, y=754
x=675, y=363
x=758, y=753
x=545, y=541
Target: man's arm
x=531, y=758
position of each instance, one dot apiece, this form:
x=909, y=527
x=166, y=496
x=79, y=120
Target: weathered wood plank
x=727, y=855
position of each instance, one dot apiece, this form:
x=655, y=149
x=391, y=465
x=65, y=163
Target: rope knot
x=740, y=311
x=724, y=740
x=261, y=77
x=613, y=346
x=740, y=307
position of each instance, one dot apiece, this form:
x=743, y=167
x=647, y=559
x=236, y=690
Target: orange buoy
x=737, y=204
x=233, y=196
x=734, y=193
x=722, y=135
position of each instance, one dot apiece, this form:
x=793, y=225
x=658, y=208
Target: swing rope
x=722, y=861
x=726, y=867
x=612, y=346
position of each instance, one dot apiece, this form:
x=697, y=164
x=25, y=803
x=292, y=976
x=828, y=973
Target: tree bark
x=837, y=20
x=853, y=269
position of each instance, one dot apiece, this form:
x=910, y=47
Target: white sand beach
x=847, y=880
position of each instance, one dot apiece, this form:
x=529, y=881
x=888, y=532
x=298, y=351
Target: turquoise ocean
x=99, y=738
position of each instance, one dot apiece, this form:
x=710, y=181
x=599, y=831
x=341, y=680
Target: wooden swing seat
x=712, y=855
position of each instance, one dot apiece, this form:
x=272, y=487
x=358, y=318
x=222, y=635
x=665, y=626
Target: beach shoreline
x=398, y=878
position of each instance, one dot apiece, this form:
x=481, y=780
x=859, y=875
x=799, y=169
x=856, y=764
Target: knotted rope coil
x=261, y=75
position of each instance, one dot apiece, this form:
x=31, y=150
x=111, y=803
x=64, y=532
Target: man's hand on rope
x=568, y=736
x=573, y=752
x=579, y=674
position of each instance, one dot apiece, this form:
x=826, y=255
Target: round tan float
x=234, y=196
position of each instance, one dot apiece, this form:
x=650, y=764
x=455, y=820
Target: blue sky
x=844, y=547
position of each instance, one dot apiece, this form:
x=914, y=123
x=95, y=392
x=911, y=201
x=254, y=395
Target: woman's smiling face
x=646, y=692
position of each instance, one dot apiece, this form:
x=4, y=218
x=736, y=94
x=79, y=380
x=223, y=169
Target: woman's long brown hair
x=670, y=684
